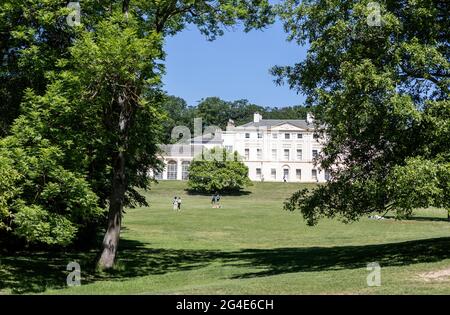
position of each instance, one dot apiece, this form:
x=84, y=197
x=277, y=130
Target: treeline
x=215, y=111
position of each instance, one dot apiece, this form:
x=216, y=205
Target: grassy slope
x=250, y=246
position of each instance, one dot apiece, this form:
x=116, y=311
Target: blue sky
x=234, y=66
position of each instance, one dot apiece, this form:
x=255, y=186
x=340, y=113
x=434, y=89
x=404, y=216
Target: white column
x=164, y=173
x=179, y=168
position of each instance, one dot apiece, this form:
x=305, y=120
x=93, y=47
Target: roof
x=268, y=123
x=207, y=138
x=186, y=150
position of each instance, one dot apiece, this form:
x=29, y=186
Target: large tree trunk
x=112, y=235
x=118, y=189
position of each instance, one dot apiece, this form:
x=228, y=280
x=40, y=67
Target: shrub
x=218, y=170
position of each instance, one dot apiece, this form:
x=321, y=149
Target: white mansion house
x=273, y=150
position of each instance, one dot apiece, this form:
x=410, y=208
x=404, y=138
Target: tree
x=378, y=82
x=177, y=113
x=34, y=34
x=217, y=112
x=94, y=116
x=165, y=17
x=214, y=111
x=288, y=112
x=41, y=201
x=118, y=90
x=110, y=67
x=218, y=170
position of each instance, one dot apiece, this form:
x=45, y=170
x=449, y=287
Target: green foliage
x=381, y=93
x=218, y=170
x=90, y=111
x=61, y=145
x=419, y=183
x=214, y=111
x=120, y=62
x=177, y=113
x=217, y=112
x=8, y=191
x=37, y=225
x=41, y=202
x=34, y=34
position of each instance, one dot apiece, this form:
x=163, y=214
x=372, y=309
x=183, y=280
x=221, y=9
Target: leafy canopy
x=218, y=170
x=381, y=92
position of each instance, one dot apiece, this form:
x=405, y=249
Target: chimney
x=257, y=117
x=230, y=123
x=309, y=118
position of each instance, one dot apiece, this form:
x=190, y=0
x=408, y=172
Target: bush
x=217, y=170
x=41, y=202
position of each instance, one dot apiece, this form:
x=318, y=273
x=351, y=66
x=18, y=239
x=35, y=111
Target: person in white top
x=175, y=203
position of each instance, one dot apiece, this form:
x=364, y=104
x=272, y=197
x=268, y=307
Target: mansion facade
x=273, y=150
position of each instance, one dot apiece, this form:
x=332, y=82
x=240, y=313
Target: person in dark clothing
x=215, y=200
x=218, y=201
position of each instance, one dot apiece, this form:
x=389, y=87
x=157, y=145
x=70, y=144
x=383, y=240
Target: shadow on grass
x=35, y=272
x=414, y=218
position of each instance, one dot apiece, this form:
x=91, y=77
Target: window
x=259, y=154
x=327, y=175
x=275, y=135
x=298, y=173
x=286, y=154
x=247, y=135
x=172, y=170
x=247, y=154
x=286, y=174
x=299, y=136
x=258, y=173
x=314, y=175
x=314, y=154
x=273, y=173
x=299, y=154
x=185, y=170
x=287, y=136
x=274, y=154
x=260, y=135
x=229, y=148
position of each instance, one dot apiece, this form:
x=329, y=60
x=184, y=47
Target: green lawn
x=250, y=246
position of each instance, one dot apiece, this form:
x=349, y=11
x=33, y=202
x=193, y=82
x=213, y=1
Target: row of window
x=286, y=174
x=287, y=136
x=172, y=170
x=286, y=154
